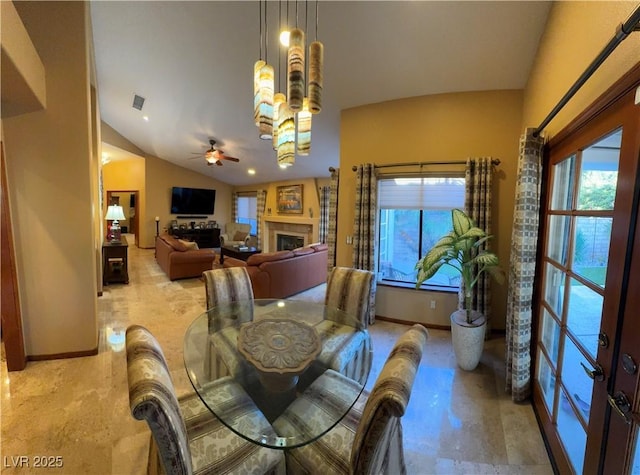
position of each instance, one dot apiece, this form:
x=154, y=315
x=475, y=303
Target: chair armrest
x=223, y=238
x=251, y=240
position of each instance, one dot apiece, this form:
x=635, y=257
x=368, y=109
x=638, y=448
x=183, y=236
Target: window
x=247, y=212
x=414, y=214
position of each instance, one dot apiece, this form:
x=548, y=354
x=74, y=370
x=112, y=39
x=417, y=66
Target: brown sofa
x=284, y=273
x=180, y=262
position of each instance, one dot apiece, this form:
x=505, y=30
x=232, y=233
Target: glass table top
x=274, y=349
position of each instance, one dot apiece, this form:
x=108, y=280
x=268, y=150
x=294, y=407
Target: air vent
x=138, y=102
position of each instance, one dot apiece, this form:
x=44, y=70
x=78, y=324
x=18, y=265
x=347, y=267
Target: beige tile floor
x=457, y=422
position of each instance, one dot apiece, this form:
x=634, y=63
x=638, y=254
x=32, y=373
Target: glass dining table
x=274, y=349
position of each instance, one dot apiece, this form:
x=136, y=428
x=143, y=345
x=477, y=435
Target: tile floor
x=457, y=422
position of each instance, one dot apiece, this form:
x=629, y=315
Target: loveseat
x=180, y=260
x=284, y=273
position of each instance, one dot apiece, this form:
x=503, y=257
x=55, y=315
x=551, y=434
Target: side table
x=114, y=262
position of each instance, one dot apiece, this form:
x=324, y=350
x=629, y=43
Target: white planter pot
x=468, y=339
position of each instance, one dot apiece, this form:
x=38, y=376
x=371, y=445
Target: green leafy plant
x=460, y=250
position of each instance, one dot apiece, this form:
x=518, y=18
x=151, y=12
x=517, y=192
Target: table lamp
x=114, y=213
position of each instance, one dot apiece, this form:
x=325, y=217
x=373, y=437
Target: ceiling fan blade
x=231, y=159
x=219, y=163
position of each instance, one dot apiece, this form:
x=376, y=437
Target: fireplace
x=288, y=242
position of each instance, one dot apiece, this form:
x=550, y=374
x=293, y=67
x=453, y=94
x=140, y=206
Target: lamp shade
x=278, y=99
x=115, y=213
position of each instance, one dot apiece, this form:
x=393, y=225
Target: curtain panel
x=325, y=195
x=333, y=219
x=522, y=266
x=364, y=226
x=477, y=204
x=234, y=207
x=261, y=201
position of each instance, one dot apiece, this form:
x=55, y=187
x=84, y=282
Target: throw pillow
x=239, y=236
x=189, y=244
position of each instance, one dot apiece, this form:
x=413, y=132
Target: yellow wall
x=49, y=163
x=310, y=198
x=160, y=176
x=575, y=34
x=425, y=129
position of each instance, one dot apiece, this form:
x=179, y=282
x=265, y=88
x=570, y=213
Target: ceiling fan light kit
x=276, y=115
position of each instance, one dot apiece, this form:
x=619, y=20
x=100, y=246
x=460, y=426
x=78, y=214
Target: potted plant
x=460, y=249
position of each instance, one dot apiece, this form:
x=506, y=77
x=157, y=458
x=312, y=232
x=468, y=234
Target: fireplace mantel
x=272, y=224
x=291, y=220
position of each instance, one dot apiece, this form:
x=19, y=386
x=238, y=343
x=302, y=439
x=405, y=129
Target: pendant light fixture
x=277, y=116
x=316, y=72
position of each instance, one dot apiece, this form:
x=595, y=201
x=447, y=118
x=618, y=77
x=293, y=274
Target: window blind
x=436, y=193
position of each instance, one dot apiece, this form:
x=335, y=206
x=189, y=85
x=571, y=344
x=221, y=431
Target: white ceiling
x=193, y=62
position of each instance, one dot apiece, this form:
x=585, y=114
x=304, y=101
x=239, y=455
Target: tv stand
x=206, y=238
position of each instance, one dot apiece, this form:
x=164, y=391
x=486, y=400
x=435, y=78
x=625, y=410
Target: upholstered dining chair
x=225, y=286
x=186, y=438
x=368, y=440
x=349, y=290
x=343, y=350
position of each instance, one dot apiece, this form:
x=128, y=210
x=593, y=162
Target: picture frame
x=289, y=199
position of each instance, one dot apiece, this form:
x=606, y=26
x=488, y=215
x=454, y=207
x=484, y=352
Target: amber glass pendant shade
x=295, y=70
x=256, y=90
x=266, y=102
x=303, y=146
x=278, y=99
x=286, y=136
x=316, y=66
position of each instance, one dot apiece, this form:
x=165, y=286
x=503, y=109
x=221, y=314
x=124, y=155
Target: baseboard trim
x=408, y=322
x=60, y=356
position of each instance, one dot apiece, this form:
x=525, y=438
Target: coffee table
x=238, y=253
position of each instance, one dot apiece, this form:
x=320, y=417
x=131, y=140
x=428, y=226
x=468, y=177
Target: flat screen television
x=192, y=201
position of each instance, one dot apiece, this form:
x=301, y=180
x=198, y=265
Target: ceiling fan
x=214, y=155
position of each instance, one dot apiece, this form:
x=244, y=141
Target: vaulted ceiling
x=193, y=64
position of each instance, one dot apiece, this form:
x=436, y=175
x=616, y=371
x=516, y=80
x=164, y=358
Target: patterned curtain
x=364, y=226
x=477, y=204
x=333, y=218
x=325, y=194
x=261, y=201
x=234, y=207
x=522, y=266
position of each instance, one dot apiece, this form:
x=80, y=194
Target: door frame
x=11, y=322
x=596, y=118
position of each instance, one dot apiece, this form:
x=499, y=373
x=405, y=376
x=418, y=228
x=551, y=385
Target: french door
x=587, y=350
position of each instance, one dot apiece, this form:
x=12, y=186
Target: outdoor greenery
x=461, y=249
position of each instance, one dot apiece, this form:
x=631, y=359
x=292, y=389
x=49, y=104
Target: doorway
x=588, y=341
x=129, y=200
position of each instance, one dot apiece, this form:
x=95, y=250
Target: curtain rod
x=494, y=161
x=625, y=29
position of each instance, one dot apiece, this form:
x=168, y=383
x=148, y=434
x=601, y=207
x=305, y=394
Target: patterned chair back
x=350, y=291
x=152, y=398
x=378, y=439
x=227, y=285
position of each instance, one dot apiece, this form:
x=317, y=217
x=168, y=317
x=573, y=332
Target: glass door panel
x=554, y=288
x=591, y=248
x=562, y=192
x=584, y=315
x=558, y=241
x=550, y=336
x=572, y=434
